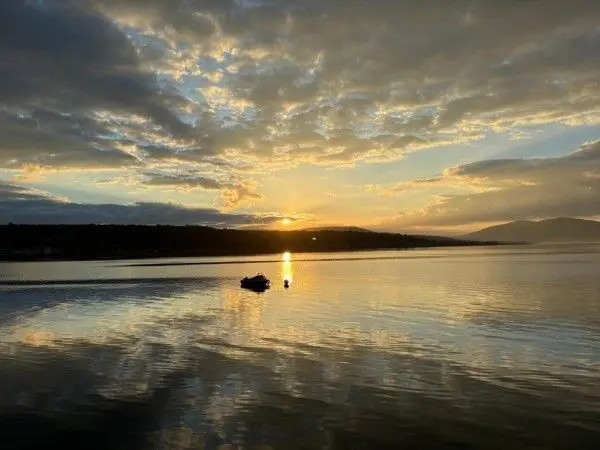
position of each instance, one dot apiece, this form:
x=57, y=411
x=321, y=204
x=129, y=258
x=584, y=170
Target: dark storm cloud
x=23, y=205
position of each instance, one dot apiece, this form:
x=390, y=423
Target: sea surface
x=491, y=348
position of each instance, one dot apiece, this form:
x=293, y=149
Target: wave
x=260, y=261
x=106, y=281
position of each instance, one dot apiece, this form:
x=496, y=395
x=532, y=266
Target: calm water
x=446, y=348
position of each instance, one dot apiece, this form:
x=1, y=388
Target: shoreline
x=26, y=259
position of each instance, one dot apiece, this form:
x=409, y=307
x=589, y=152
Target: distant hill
x=47, y=242
x=355, y=229
x=561, y=229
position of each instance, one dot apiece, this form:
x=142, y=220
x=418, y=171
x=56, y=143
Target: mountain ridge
x=558, y=229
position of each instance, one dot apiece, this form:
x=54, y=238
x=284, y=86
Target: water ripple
x=426, y=352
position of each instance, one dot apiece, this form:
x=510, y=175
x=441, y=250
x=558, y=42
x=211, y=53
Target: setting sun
x=286, y=221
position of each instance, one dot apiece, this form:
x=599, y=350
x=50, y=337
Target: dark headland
x=84, y=242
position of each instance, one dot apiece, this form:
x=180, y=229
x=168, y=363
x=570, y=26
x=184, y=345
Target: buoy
x=286, y=284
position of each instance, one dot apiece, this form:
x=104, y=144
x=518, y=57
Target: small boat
x=258, y=283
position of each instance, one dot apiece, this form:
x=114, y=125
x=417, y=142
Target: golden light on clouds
x=253, y=104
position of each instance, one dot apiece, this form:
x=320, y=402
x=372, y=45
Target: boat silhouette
x=257, y=283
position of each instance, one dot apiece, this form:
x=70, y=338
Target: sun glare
x=286, y=221
x=287, y=257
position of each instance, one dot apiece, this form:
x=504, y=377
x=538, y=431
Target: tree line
x=26, y=242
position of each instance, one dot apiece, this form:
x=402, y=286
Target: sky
x=417, y=116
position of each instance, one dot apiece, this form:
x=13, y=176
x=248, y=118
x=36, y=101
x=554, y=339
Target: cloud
x=417, y=74
x=233, y=192
x=213, y=88
x=512, y=189
x=347, y=72
x=24, y=205
x=49, y=139
x=15, y=193
x=71, y=84
x=184, y=182
x=68, y=59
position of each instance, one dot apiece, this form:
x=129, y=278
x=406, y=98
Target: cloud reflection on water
x=395, y=355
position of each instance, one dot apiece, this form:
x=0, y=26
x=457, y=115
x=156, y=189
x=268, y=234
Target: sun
x=286, y=221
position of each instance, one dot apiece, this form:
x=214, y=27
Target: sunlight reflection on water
x=286, y=268
x=461, y=349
